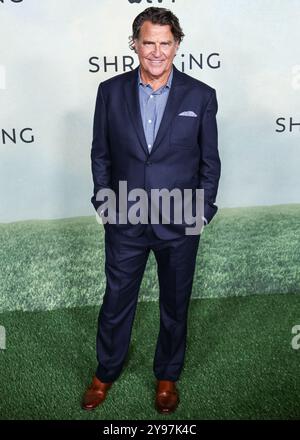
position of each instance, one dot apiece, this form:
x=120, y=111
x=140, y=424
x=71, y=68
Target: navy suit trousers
x=125, y=262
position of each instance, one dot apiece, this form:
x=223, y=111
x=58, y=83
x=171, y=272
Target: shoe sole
x=166, y=411
x=92, y=408
x=89, y=409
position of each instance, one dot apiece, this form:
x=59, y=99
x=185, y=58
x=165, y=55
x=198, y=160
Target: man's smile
x=156, y=61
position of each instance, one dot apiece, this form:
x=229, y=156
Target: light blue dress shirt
x=152, y=106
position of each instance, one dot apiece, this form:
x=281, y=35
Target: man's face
x=156, y=48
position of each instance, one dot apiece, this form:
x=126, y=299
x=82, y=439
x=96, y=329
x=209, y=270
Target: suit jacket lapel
x=133, y=105
x=176, y=95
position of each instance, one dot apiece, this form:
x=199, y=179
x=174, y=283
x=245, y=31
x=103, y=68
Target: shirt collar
x=168, y=83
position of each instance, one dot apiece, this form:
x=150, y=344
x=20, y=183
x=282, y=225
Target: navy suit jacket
x=184, y=154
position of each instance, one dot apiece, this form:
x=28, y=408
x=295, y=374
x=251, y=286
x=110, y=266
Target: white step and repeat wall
x=54, y=53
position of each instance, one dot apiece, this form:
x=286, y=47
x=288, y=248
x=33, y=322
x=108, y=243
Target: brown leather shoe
x=167, y=397
x=95, y=394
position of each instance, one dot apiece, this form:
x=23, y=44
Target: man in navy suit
x=154, y=127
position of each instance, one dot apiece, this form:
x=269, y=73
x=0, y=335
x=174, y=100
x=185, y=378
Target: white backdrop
x=52, y=58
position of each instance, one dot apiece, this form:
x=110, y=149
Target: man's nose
x=157, y=50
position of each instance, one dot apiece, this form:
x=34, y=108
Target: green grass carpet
x=60, y=263
x=239, y=362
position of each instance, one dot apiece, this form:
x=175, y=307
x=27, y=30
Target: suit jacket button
x=148, y=162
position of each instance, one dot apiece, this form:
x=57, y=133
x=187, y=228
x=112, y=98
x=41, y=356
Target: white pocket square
x=188, y=113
